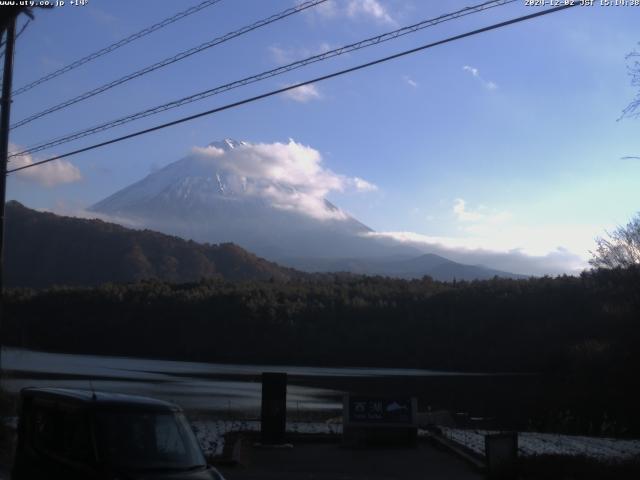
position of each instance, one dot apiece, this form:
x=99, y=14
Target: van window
x=46, y=429
x=63, y=434
x=77, y=437
x=147, y=440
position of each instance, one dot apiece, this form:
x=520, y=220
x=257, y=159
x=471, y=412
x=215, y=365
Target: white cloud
x=489, y=85
x=497, y=230
x=47, y=174
x=288, y=175
x=303, y=94
x=481, y=214
x=459, y=209
x=280, y=55
x=368, y=8
x=492, y=237
x=411, y=82
x=501, y=253
x=355, y=9
x=71, y=208
x=285, y=55
x=323, y=47
x=328, y=9
x=473, y=71
x=363, y=186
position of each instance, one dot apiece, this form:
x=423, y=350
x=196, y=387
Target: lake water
x=202, y=386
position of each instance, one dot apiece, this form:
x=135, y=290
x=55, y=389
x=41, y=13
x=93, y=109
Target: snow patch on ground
x=210, y=433
x=531, y=443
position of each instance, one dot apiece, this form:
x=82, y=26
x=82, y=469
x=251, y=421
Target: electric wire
x=170, y=60
x=24, y=27
x=298, y=85
x=264, y=75
x=114, y=46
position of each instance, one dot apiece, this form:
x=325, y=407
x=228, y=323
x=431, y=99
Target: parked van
x=78, y=434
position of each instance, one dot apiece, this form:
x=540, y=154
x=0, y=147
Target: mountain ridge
x=45, y=249
x=228, y=192
x=429, y=264
x=196, y=199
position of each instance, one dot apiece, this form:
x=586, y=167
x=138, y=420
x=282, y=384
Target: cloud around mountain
x=302, y=180
x=469, y=251
x=271, y=199
x=48, y=174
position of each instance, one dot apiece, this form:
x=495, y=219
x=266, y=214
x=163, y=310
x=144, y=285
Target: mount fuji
x=209, y=198
x=201, y=200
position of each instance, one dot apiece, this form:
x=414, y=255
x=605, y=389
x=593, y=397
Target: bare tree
x=633, y=109
x=621, y=248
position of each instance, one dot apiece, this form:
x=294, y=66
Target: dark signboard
x=274, y=408
x=501, y=450
x=381, y=411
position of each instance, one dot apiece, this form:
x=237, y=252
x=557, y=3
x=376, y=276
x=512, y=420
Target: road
x=332, y=461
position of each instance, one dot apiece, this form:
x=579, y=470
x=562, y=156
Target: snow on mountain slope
x=209, y=197
x=270, y=200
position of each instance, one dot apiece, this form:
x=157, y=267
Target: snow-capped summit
x=206, y=197
x=228, y=144
x=269, y=199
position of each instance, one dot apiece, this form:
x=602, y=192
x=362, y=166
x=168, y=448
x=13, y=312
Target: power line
x=114, y=46
x=267, y=74
x=298, y=85
x=24, y=27
x=168, y=61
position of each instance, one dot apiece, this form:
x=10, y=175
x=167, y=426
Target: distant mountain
x=200, y=200
x=43, y=249
x=206, y=199
x=435, y=266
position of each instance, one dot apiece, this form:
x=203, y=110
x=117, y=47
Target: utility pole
x=5, y=115
x=8, y=17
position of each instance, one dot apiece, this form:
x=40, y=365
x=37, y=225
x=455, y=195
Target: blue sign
x=376, y=410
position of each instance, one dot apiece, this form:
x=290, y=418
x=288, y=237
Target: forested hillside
x=43, y=249
x=495, y=325
x=581, y=332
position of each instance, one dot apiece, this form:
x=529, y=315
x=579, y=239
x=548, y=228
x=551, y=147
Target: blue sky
x=505, y=142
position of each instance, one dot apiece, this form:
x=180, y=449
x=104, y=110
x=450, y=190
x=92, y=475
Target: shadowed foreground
x=332, y=461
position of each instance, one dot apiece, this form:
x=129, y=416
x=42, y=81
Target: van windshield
x=147, y=441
